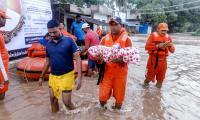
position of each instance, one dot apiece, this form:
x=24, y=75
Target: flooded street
x=179, y=99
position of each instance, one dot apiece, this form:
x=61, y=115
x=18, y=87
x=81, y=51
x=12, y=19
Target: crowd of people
x=63, y=47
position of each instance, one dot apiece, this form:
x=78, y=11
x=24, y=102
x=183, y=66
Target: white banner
x=37, y=13
x=27, y=25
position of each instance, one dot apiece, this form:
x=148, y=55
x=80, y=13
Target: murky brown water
x=179, y=99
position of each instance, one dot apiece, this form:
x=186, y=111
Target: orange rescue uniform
x=5, y=59
x=65, y=33
x=115, y=75
x=157, y=62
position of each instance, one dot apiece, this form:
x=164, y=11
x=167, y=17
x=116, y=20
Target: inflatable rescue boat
x=31, y=67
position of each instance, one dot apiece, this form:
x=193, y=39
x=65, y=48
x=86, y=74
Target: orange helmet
x=163, y=26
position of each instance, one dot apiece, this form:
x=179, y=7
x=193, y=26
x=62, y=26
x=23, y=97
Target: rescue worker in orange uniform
x=158, y=45
x=115, y=74
x=65, y=33
x=4, y=55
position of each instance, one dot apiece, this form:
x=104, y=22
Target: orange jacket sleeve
x=3, y=50
x=128, y=42
x=171, y=48
x=102, y=41
x=149, y=45
x=2, y=43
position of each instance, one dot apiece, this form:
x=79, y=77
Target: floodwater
x=179, y=98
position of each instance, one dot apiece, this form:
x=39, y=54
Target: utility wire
x=168, y=6
x=185, y=9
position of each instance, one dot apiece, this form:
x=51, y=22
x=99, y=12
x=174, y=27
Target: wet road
x=179, y=99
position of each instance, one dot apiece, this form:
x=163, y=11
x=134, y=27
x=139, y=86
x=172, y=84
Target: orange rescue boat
x=31, y=67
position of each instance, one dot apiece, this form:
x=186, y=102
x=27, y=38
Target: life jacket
x=121, y=40
x=37, y=50
x=108, y=41
x=156, y=39
x=65, y=33
x=5, y=58
x=3, y=50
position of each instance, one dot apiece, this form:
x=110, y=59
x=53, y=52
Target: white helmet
x=85, y=25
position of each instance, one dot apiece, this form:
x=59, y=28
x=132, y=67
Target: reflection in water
x=152, y=108
x=4, y=111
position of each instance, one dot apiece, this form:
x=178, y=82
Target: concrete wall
x=149, y=30
x=122, y=15
x=79, y=10
x=133, y=15
x=101, y=10
x=101, y=18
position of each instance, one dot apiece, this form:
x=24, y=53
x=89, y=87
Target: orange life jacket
x=156, y=39
x=37, y=50
x=3, y=50
x=65, y=33
x=108, y=41
x=121, y=40
x=5, y=59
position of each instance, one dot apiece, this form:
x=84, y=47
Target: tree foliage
x=184, y=21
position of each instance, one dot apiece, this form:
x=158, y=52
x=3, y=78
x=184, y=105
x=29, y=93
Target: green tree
x=154, y=11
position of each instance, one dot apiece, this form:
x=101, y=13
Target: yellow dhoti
x=61, y=83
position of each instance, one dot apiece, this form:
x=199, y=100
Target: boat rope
x=25, y=75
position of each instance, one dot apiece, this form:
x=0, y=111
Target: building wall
x=101, y=10
x=122, y=15
x=100, y=17
x=133, y=15
x=80, y=10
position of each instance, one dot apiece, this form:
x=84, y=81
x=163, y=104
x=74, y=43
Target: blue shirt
x=61, y=55
x=43, y=42
x=76, y=28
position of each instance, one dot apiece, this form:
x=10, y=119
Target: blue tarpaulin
x=143, y=29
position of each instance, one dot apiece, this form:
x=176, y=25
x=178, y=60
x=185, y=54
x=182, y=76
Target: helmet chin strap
x=160, y=33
